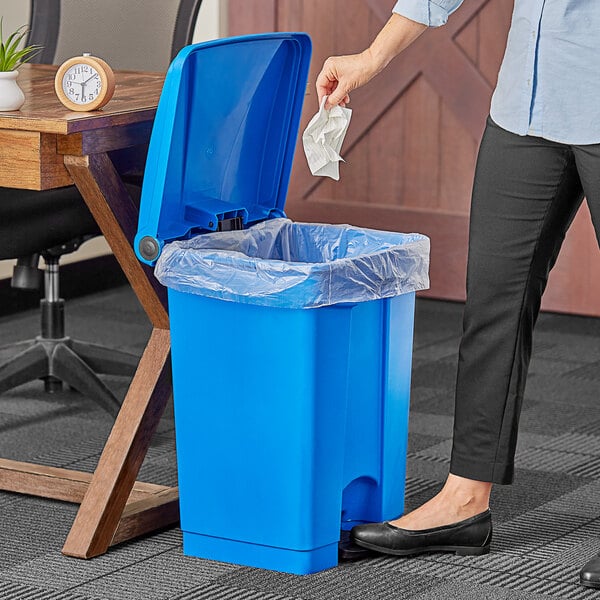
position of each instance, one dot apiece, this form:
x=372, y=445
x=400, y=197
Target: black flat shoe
x=589, y=576
x=469, y=537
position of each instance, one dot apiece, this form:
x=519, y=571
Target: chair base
x=58, y=360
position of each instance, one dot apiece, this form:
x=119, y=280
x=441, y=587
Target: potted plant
x=11, y=57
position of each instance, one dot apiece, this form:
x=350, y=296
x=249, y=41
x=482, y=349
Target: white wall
x=212, y=20
x=211, y=24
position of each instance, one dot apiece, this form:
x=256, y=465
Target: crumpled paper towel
x=323, y=138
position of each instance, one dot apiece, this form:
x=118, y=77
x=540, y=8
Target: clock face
x=81, y=83
x=84, y=83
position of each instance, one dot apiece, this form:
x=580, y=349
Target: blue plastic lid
x=224, y=137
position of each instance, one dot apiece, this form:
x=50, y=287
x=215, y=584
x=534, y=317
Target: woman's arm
x=342, y=74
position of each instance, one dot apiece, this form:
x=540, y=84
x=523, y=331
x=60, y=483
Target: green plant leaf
x=10, y=54
x=12, y=42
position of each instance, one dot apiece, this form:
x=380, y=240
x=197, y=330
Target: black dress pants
x=525, y=195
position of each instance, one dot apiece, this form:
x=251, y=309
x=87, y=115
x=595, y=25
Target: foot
x=458, y=500
x=469, y=537
x=457, y=520
x=589, y=576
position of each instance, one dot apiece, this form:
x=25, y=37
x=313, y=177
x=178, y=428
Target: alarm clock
x=84, y=83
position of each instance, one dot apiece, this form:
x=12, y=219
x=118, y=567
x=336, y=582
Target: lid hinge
x=234, y=224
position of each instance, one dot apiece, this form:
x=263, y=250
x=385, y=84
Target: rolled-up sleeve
x=429, y=12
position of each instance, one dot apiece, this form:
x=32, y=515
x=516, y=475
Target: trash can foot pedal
x=349, y=551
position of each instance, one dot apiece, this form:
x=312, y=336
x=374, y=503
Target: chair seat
x=32, y=221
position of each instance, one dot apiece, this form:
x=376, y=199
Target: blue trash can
x=291, y=342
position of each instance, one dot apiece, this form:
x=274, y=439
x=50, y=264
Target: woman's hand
x=342, y=74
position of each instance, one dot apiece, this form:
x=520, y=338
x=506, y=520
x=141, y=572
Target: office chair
x=137, y=35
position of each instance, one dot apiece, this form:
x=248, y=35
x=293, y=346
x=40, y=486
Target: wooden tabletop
x=135, y=100
x=35, y=140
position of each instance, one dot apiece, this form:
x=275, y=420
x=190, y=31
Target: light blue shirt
x=549, y=81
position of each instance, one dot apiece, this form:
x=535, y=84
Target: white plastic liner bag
x=285, y=264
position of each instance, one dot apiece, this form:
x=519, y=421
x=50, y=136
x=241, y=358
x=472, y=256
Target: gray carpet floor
x=546, y=524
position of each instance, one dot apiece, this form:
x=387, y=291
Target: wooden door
x=411, y=148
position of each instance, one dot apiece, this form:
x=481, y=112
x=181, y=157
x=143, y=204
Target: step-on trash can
x=291, y=342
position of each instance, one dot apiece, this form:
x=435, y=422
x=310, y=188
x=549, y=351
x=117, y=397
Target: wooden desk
x=45, y=146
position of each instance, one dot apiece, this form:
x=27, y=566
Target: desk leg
x=100, y=512
x=99, y=521
x=108, y=200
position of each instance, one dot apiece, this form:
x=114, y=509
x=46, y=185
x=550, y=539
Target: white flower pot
x=11, y=95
